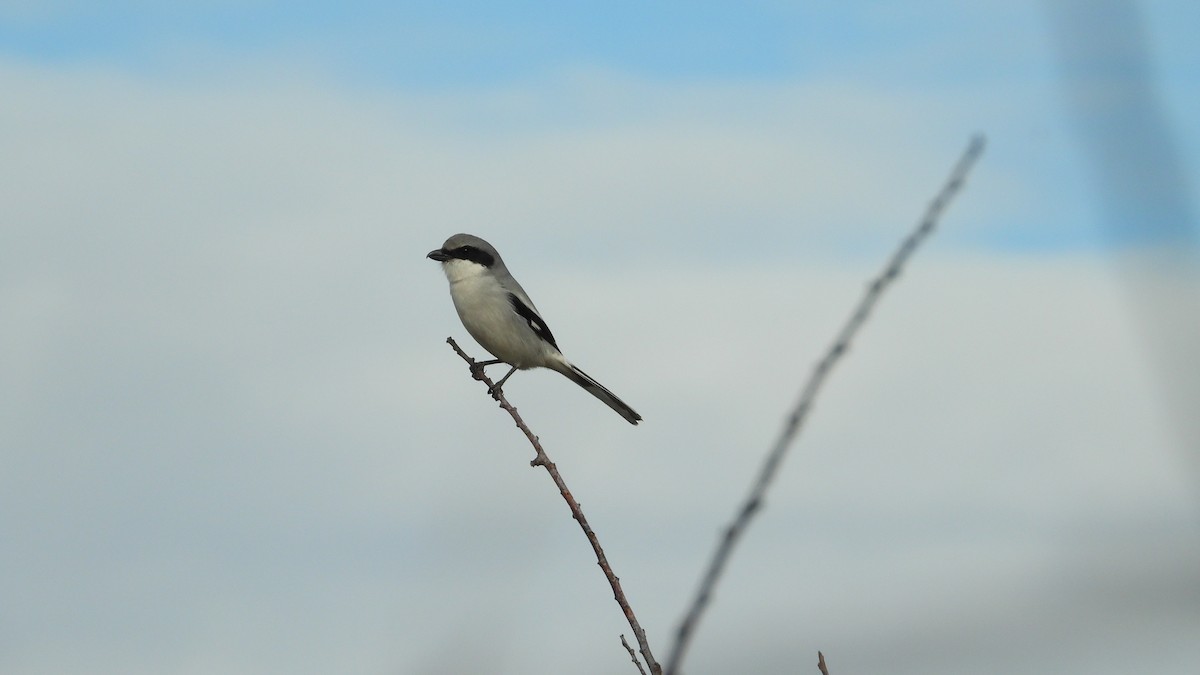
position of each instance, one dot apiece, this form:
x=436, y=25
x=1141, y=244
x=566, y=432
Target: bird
x=498, y=313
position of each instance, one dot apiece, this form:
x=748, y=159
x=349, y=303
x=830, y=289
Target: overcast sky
x=232, y=439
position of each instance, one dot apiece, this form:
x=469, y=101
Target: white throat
x=460, y=270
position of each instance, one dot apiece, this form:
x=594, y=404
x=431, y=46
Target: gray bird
x=500, y=316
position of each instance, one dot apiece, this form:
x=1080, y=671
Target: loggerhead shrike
x=496, y=312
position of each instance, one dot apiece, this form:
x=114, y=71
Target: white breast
x=487, y=314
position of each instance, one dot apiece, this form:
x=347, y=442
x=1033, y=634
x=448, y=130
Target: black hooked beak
x=439, y=255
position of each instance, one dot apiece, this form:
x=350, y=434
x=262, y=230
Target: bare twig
x=632, y=656
x=821, y=664
x=540, y=459
x=808, y=395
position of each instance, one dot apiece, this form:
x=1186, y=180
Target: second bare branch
x=791, y=428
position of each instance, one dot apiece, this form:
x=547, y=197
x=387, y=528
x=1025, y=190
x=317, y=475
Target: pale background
x=232, y=439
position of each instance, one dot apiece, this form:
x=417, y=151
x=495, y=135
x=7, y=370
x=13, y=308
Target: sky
x=233, y=439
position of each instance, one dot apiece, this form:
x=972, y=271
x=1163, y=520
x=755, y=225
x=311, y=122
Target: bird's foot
x=477, y=367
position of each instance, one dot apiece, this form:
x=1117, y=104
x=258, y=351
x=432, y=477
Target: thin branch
x=821, y=664
x=540, y=459
x=808, y=395
x=632, y=656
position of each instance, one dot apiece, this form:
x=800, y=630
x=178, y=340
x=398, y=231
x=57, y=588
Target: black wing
x=536, y=324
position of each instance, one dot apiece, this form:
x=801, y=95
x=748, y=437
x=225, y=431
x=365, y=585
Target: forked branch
x=540, y=459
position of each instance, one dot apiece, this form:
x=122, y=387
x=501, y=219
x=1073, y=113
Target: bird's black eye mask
x=472, y=254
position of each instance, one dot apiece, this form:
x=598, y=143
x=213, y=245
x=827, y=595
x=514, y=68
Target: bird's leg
x=478, y=366
x=496, y=387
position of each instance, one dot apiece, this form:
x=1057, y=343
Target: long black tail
x=599, y=391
